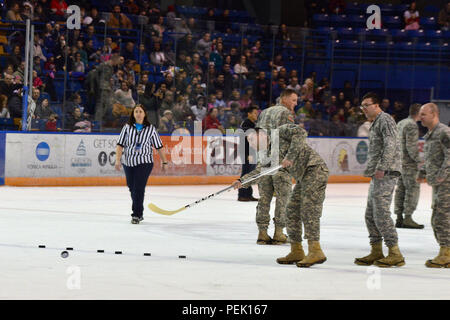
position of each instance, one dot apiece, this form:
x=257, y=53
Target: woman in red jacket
x=211, y=121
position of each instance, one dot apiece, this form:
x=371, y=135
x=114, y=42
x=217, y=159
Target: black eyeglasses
x=364, y=106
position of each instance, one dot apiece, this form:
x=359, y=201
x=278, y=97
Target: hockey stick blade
x=156, y=209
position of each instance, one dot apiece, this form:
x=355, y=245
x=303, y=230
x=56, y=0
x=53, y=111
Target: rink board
x=88, y=159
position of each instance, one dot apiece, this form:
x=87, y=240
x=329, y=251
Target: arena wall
x=70, y=159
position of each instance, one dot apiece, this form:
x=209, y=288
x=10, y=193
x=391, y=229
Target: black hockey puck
x=64, y=254
x=69, y=248
x=147, y=254
x=100, y=251
x=118, y=252
x=182, y=257
x=41, y=246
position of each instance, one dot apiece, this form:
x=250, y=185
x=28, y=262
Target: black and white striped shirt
x=130, y=140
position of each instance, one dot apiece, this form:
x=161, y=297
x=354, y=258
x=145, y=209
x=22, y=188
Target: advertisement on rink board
x=79, y=155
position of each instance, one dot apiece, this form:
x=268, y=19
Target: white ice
x=218, y=237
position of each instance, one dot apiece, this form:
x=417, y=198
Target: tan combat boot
x=279, y=237
x=375, y=254
x=294, y=256
x=442, y=260
x=393, y=259
x=315, y=255
x=263, y=237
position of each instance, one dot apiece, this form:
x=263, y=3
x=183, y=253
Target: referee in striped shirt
x=136, y=140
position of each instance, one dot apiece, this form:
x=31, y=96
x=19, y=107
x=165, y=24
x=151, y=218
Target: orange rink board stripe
x=153, y=180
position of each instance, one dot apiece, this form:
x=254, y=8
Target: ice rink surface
x=218, y=237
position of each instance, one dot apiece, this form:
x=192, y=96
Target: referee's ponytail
x=132, y=120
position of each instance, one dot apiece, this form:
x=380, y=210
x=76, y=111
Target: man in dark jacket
x=246, y=194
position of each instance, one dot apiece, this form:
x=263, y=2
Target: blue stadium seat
x=339, y=21
x=7, y=124
x=415, y=33
x=357, y=21
x=434, y=34
x=391, y=22
x=428, y=23
x=321, y=20
x=431, y=10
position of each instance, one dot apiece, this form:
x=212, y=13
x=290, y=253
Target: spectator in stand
x=93, y=18
x=385, y=106
x=349, y=93
x=293, y=84
x=182, y=27
x=157, y=56
x=223, y=23
x=187, y=45
x=279, y=86
x=340, y=100
x=240, y=68
x=203, y=45
x=307, y=91
x=118, y=20
x=7, y=86
x=411, y=17
x=78, y=67
x=246, y=100
x=166, y=123
x=132, y=7
x=211, y=121
x=43, y=110
x=19, y=73
x=399, y=112
x=181, y=111
x=306, y=110
x=15, y=103
x=217, y=56
x=4, y=112
x=337, y=6
x=148, y=100
x=171, y=17
x=124, y=96
x=58, y=9
x=37, y=81
x=16, y=57
x=220, y=102
x=318, y=127
x=77, y=122
x=158, y=29
x=8, y=70
x=13, y=13
x=200, y=109
x=167, y=102
x=261, y=89
x=52, y=123
x=128, y=53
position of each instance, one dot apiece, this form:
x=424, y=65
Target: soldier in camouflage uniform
x=304, y=207
x=436, y=171
x=408, y=190
x=104, y=74
x=280, y=183
x=384, y=168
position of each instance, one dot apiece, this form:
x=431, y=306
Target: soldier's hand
x=440, y=180
x=379, y=174
x=237, y=184
x=286, y=163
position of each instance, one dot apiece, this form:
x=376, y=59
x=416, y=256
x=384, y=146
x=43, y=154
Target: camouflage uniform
x=280, y=183
x=104, y=99
x=437, y=165
x=304, y=206
x=384, y=155
x=408, y=189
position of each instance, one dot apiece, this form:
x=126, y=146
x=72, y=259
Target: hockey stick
x=156, y=209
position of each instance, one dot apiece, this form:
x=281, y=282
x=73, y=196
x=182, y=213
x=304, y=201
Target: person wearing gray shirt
x=383, y=167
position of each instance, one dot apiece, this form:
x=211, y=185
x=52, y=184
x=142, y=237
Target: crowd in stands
x=203, y=80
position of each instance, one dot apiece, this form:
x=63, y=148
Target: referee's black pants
x=136, y=181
